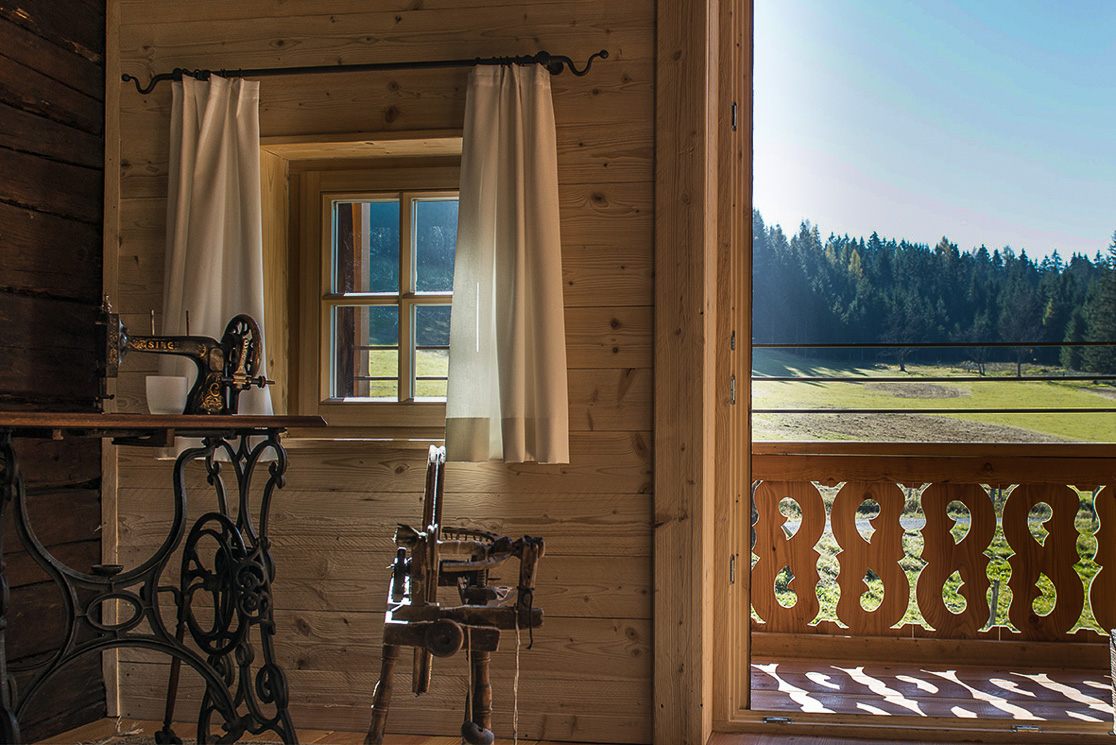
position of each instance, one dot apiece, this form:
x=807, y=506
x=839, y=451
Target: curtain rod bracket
x=554, y=63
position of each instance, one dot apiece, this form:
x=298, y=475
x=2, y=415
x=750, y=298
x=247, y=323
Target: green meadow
x=999, y=389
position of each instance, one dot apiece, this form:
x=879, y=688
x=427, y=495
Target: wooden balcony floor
x=813, y=686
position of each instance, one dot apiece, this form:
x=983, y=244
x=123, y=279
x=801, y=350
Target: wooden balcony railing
x=950, y=542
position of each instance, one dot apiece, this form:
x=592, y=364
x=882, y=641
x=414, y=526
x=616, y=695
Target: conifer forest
x=841, y=289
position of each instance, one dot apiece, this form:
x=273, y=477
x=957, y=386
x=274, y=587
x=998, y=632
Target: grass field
x=998, y=390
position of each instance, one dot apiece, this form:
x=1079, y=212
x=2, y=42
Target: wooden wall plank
x=73, y=70
x=49, y=186
x=21, y=265
x=393, y=36
x=28, y=89
x=355, y=581
x=600, y=463
x=44, y=339
x=21, y=130
x=592, y=524
x=319, y=641
x=552, y=679
x=608, y=337
x=562, y=717
x=21, y=569
x=621, y=273
x=76, y=26
x=618, y=93
x=610, y=400
x=58, y=517
x=72, y=698
x=36, y=621
x=165, y=11
x=50, y=464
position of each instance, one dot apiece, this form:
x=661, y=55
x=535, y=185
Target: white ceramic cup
x=166, y=394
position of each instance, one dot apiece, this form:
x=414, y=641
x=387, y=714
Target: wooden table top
x=113, y=425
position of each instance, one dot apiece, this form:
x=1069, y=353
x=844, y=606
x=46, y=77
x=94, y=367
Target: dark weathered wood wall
x=51, y=206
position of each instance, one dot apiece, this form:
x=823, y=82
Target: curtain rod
x=555, y=63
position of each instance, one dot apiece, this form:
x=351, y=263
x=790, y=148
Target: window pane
x=426, y=389
x=431, y=350
x=432, y=326
x=366, y=246
x=366, y=352
x=435, y=231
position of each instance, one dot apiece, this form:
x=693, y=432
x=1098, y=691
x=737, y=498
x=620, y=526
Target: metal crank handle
x=241, y=382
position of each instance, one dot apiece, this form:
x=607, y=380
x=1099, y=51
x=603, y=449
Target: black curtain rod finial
x=554, y=63
x=603, y=54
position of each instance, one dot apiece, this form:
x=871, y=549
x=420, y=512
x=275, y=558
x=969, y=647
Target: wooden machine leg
x=381, y=697
x=482, y=690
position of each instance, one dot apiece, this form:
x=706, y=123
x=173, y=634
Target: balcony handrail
x=931, y=344
x=870, y=448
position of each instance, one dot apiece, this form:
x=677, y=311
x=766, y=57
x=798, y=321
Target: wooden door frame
x=702, y=210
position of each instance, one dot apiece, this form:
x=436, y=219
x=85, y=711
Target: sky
x=987, y=121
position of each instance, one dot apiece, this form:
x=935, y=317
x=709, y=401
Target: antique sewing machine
x=439, y=556
x=225, y=367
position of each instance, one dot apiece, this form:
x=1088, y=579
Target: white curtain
x=214, y=259
x=507, y=396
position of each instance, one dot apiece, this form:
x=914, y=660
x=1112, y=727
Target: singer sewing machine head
x=225, y=367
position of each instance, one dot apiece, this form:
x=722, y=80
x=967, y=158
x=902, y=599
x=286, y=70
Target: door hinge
x=732, y=341
x=732, y=390
x=732, y=569
x=734, y=116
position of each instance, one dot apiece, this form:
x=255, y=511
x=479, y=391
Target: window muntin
x=386, y=305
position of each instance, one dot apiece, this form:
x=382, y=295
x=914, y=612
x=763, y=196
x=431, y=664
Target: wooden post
x=685, y=335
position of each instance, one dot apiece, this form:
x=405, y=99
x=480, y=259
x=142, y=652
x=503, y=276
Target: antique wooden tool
x=225, y=367
x=440, y=556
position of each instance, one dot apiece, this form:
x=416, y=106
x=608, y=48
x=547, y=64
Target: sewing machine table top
x=56, y=424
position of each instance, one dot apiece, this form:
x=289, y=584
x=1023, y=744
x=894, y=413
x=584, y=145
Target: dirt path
x=889, y=428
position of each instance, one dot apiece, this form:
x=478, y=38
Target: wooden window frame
x=310, y=363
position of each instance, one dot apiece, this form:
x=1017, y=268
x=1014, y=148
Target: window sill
x=418, y=438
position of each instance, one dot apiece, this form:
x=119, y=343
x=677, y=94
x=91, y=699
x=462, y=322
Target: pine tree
x=1071, y=357
x=1100, y=315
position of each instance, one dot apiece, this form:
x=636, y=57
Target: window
x=388, y=309
x=377, y=286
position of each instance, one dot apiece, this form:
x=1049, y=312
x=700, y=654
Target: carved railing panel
x=1102, y=592
x=779, y=552
x=973, y=527
x=1053, y=557
x=948, y=555
x=881, y=554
